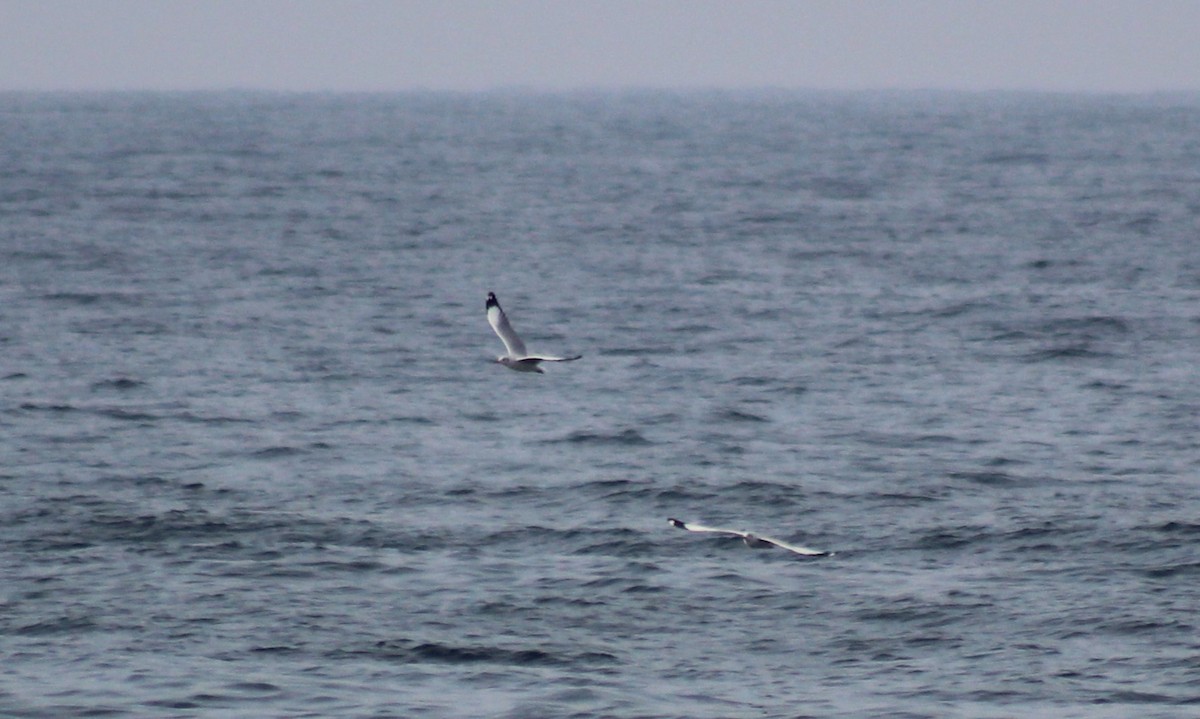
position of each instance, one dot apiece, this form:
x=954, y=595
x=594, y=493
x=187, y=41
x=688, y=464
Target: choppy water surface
x=256, y=462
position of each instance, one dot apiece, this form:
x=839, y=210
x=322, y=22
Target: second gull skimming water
x=751, y=540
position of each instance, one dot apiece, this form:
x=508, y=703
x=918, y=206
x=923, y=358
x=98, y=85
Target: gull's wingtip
x=491, y=300
x=676, y=523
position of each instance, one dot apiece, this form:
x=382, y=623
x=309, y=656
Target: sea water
x=256, y=459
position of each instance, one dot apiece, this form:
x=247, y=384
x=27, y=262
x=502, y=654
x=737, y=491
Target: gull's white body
x=517, y=358
x=751, y=540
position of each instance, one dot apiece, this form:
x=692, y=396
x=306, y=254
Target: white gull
x=517, y=358
x=751, y=540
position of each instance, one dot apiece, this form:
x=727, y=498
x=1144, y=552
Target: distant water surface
x=256, y=461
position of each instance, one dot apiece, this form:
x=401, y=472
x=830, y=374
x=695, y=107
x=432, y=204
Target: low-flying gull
x=517, y=358
x=751, y=540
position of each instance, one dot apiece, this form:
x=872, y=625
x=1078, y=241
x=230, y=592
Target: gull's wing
x=701, y=528
x=499, y=322
x=792, y=547
x=547, y=358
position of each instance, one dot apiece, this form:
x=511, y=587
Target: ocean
x=258, y=459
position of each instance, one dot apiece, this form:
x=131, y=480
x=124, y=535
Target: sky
x=468, y=45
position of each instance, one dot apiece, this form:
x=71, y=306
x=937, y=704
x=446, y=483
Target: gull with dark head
x=517, y=358
x=751, y=540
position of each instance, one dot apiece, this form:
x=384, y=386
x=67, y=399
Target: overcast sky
x=353, y=45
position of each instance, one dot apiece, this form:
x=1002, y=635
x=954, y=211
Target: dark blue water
x=256, y=462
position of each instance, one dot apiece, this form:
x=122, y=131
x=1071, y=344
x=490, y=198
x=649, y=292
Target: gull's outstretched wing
x=805, y=551
x=499, y=322
x=547, y=358
x=701, y=528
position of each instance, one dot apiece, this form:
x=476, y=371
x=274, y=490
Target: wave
x=737, y=415
x=1015, y=158
x=127, y=415
x=1177, y=527
x=1066, y=352
x=409, y=651
x=622, y=438
x=53, y=408
x=1182, y=569
x=953, y=537
x=67, y=625
x=96, y=298
x=121, y=384
x=1065, y=338
x=646, y=351
x=279, y=451
x=989, y=478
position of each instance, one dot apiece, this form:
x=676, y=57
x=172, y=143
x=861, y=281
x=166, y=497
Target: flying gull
x=517, y=358
x=751, y=540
